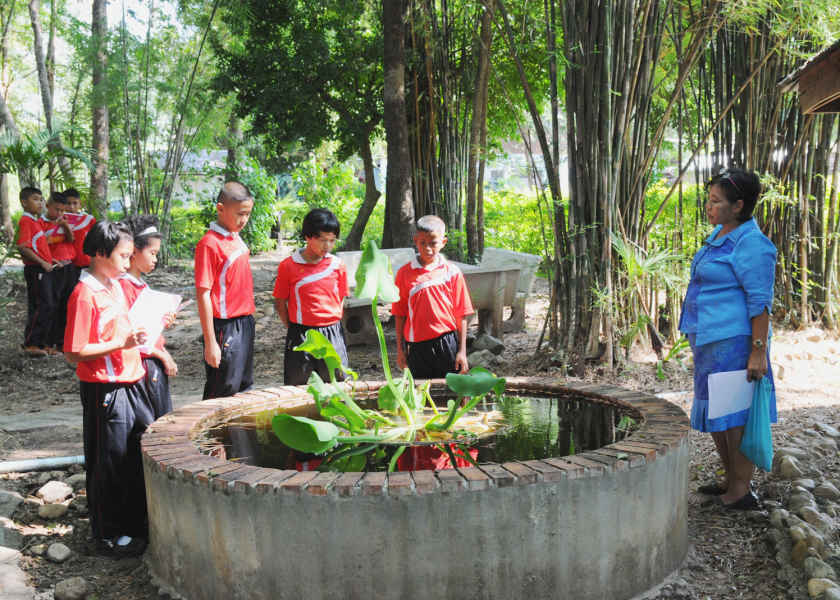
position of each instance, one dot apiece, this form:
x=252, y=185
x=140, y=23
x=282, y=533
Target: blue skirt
x=730, y=354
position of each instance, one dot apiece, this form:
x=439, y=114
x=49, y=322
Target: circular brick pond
x=607, y=523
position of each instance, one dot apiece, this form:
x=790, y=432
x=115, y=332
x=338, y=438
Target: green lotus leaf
x=305, y=435
x=319, y=346
x=477, y=382
x=374, y=276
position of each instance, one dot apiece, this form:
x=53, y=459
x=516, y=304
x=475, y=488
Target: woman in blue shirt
x=726, y=317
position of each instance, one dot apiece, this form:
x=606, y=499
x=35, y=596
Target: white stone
x=827, y=490
x=778, y=518
x=793, y=451
x=820, y=586
x=789, y=468
x=807, y=484
x=77, y=481
x=813, y=516
x=815, y=568
x=75, y=588
x=52, y=511
x=481, y=358
x=828, y=430
x=831, y=594
x=488, y=342
x=54, y=491
x=58, y=552
x=9, y=501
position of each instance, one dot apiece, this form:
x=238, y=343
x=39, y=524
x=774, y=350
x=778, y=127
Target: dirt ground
x=729, y=557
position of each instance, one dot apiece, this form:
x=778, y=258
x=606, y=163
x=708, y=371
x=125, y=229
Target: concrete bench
x=527, y=264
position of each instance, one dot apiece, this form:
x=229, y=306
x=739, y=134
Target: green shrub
x=319, y=184
x=189, y=224
x=512, y=221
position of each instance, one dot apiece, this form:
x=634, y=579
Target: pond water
x=529, y=428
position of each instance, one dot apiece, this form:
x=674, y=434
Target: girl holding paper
x=726, y=317
x=159, y=364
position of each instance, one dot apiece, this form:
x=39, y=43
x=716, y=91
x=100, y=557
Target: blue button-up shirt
x=731, y=282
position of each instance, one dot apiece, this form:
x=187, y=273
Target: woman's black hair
x=738, y=183
x=104, y=237
x=144, y=228
x=318, y=220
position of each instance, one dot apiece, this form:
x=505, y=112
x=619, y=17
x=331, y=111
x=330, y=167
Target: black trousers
x=235, y=372
x=434, y=358
x=298, y=366
x=115, y=415
x=156, y=383
x=40, y=305
x=64, y=280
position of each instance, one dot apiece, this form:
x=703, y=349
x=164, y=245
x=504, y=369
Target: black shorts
x=156, y=382
x=235, y=372
x=434, y=358
x=115, y=415
x=298, y=366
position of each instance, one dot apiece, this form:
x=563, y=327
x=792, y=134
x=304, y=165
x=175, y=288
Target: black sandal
x=748, y=501
x=712, y=489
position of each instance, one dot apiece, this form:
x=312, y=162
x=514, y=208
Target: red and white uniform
x=31, y=235
x=81, y=224
x=433, y=298
x=315, y=291
x=221, y=265
x=95, y=314
x=132, y=288
x=60, y=247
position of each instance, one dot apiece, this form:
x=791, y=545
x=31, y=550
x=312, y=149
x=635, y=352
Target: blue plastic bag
x=757, y=443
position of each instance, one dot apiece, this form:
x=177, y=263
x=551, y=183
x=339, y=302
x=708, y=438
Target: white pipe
x=40, y=464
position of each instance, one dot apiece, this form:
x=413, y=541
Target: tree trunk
x=7, y=230
x=43, y=81
x=99, y=105
x=400, y=225
x=479, y=117
x=353, y=241
x=234, y=140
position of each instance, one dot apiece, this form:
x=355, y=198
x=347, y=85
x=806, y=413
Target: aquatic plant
x=352, y=432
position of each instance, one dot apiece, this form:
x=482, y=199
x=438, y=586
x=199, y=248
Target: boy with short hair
x=225, y=295
x=37, y=261
x=431, y=312
x=309, y=294
x=61, y=241
x=102, y=343
x=81, y=223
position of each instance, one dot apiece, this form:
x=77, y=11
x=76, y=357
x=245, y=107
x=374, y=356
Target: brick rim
x=168, y=447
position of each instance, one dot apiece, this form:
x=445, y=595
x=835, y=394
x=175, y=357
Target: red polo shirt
x=315, y=291
x=221, y=266
x=433, y=298
x=95, y=314
x=131, y=287
x=60, y=247
x=31, y=235
x=81, y=224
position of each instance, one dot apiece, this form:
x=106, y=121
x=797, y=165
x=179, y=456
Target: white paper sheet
x=729, y=392
x=149, y=310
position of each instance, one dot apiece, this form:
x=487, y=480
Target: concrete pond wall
x=604, y=524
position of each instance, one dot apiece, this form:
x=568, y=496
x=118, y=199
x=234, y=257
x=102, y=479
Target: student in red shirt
x=225, y=295
x=157, y=361
x=81, y=223
x=431, y=312
x=101, y=342
x=309, y=293
x=60, y=239
x=37, y=262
